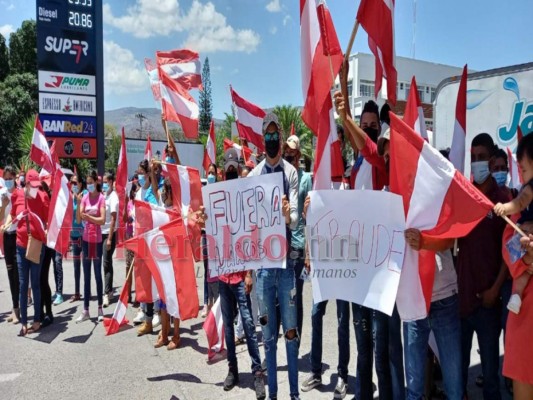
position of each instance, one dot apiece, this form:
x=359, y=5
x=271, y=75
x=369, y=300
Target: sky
x=254, y=44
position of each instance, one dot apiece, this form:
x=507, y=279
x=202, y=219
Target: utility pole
x=141, y=118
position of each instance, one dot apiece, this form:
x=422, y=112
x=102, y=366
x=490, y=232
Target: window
x=433, y=93
x=366, y=88
x=407, y=87
x=421, y=94
x=401, y=85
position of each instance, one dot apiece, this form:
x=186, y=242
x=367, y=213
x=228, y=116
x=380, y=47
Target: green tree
x=206, y=106
x=112, y=147
x=4, y=59
x=23, y=48
x=18, y=102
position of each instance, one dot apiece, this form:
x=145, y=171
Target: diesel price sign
x=70, y=63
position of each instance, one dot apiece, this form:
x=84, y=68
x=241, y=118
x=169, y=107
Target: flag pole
x=352, y=39
x=514, y=226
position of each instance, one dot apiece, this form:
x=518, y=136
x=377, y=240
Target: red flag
x=414, y=113
x=183, y=66
x=148, y=149
x=457, y=151
x=214, y=330
x=243, y=151
x=292, y=129
x=377, y=19
x=210, y=156
x=60, y=214
x=321, y=58
x=121, y=185
x=249, y=120
x=438, y=200
x=40, y=151
x=114, y=323
x=170, y=262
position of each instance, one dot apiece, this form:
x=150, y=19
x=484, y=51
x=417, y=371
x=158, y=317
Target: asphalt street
x=77, y=361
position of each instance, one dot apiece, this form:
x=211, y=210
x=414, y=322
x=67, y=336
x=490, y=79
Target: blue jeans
x=76, y=253
x=27, y=271
x=486, y=323
x=58, y=272
x=371, y=333
x=276, y=284
x=444, y=321
x=298, y=265
x=343, y=337
x=92, y=252
x=396, y=356
x=231, y=297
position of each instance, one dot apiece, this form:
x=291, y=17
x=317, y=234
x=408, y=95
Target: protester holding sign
x=278, y=284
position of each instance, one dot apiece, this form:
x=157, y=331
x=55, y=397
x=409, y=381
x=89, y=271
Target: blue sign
x=68, y=126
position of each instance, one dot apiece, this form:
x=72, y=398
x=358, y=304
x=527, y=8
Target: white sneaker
x=340, y=389
x=156, y=321
x=106, y=300
x=139, y=318
x=515, y=302
x=204, y=311
x=100, y=315
x=84, y=316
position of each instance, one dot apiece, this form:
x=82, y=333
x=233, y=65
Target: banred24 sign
x=68, y=126
x=60, y=82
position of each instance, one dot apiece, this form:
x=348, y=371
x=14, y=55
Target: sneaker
x=54, y=296
x=515, y=302
x=156, y=321
x=84, y=316
x=139, y=318
x=340, y=389
x=295, y=397
x=311, y=382
x=100, y=314
x=259, y=386
x=106, y=301
x=203, y=314
x=58, y=300
x=231, y=380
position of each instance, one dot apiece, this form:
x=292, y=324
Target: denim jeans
x=298, y=265
x=486, y=323
x=396, y=356
x=343, y=337
x=10, y=250
x=371, y=334
x=57, y=259
x=107, y=256
x=276, y=284
x=444, y=321
x=231, y=297
x=76, y=253
x=94, y=250
x=27, y=271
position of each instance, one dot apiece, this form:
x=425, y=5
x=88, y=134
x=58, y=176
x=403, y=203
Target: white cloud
x=122, y=72
x=5, y=30
x=286, y=19
x=10, y=7
x=206, y=28
x=273, y=30
x=274, y=6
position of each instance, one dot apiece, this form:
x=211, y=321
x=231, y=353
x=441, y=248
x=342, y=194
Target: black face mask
x=231, y=175
x=272, y=148
x=289, y=159
x=372, y=133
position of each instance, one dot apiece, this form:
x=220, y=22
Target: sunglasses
x=272, y=136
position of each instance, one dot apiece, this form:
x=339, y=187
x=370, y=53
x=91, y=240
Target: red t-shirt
x=39, y=206
x=380, y=176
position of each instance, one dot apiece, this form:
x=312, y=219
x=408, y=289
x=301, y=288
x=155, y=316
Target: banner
x=356, y=243
x=245, y=226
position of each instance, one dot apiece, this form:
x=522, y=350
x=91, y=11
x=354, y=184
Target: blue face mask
x=10, y=184
x=91, y=188
x=142, y=179
x=211, y=178
x=170, y=160
x=500, y=177
x=75, y=189
x=105, y=187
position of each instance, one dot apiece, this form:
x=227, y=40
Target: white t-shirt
x=445, y=283
x=111, y=205
x=13, y=227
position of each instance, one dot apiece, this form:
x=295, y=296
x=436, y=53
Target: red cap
x=32, y=178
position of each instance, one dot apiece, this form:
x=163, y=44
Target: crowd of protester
x=477, y=280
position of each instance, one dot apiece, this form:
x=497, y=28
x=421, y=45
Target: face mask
x=480, y=171
x=170, y=160
x=75, y=189
x=272, y=148
x=91, y=188
x=105, y=187
x=141, y=179
x=211, y=178
x=10, y=183
x=372, y=133
x=21, y=179
x=500, y=177
x=33, y=192
x=231, y=175
x=289, y=159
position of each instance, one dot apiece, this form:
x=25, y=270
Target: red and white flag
x=320, y=56
x=243, y=151
x=121, y=185
x=37, y=229
x=214, y=330
x=148, y=149
x=438, y=200
x=414, y=113
x=210, y=151
x=40, y=151
x=60, y=214
x=169, y=260
x=153, y=75
x=457, y=151
x=249, y=120
x=516, y=181
x=377, y=19
x=114, y=323
x=179, y=106
x=183, y=66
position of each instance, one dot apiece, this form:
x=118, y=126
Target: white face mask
x=33, y=192
x=480, y=171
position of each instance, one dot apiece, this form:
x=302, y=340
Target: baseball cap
x=383, y=138
x=269, y=118
x=293, y=142
x=32, y=178
x=231, y=158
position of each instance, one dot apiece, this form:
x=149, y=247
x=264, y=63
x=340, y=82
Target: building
x=428, y=76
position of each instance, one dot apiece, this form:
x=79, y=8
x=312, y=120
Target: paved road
x=76, y=361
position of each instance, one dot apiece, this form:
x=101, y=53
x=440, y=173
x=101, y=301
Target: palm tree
x=24, y=143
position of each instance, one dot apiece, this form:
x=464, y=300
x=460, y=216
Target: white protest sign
x=245, y=226
x=356, y=243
